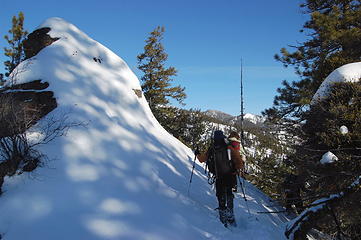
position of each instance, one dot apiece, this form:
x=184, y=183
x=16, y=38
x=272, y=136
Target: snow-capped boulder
x=347, y=73
x=328, y=157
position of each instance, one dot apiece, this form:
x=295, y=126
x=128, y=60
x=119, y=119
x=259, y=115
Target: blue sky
x=205, y=40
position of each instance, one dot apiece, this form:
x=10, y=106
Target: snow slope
x=347, y=73
x=122, y=176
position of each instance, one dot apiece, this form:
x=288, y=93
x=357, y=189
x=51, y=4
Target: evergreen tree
x=266, y=164
x=196, y=128
x=321, y=134
x=186, y=125
x=156, y=81
x=334, y=37
x=15, y=39
x=334, y=32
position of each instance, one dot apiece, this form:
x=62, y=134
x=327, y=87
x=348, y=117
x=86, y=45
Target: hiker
x=292, y=186
x=224, y=162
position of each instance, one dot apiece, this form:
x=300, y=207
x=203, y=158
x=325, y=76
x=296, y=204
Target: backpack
x=218, y=163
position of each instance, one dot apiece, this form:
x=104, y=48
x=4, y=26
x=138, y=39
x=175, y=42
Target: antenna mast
x=242, y=108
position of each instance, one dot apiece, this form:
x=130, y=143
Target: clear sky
x=205, y=41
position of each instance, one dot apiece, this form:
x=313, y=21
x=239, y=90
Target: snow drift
x=347, y=73
x=122, y=176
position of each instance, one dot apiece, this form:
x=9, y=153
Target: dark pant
x=225, y=197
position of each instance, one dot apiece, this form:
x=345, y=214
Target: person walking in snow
x=224, y=162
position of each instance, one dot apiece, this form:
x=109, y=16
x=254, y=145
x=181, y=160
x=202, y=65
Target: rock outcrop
x=23, y=105
x=36, y=41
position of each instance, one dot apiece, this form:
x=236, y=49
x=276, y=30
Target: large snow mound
x=347, y=73
x=122, y=176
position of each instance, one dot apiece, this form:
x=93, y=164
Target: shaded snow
x=122, y=176
x=328, y=157
x=347, y=73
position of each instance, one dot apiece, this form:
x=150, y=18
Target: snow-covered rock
x=328, y=157
x=347, y=73
x=122, y=176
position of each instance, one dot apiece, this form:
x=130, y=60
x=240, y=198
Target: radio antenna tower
x=242, y=107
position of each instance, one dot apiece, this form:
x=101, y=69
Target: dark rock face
x=21, y=106
x=36, y=41
x=34, y=85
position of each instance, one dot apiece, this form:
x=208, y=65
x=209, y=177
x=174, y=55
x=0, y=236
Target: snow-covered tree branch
x=300, y=226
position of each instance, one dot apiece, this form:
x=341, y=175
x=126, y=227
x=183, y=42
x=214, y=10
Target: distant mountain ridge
x=219, y=115
x=248, y=118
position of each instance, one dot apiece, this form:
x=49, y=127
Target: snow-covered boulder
x=347, y=73
x=328, y=157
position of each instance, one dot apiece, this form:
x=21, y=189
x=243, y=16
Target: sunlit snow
x=347, y=73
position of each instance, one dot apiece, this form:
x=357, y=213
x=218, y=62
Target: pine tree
x=334, y=37
x=15, y=39
x=194, y=128
x=156, y=81
x=266, y=165
x=321, y=134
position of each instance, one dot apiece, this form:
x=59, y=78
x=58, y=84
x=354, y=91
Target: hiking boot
x=223, y=216
x=230, y=217
x=232, y=222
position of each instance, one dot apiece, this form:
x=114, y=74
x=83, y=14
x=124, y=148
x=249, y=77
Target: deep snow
x=122, y=176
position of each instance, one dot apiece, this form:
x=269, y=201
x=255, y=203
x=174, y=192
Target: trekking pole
x=194, y=164
x=244, y=194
